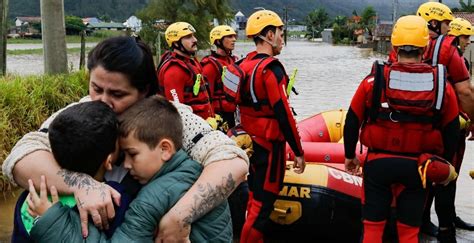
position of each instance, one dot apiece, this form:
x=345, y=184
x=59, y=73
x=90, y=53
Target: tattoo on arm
x=82, y=181
x=209, y=197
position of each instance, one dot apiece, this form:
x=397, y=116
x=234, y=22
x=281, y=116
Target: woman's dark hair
x=129, y=56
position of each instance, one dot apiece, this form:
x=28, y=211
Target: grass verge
x=26, y=101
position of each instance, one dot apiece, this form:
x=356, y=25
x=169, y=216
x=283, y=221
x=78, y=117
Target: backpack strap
x=253, y=96
x=436, y=51
x=379, y=85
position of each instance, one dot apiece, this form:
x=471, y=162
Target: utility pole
x=286, y=24
x=54, y=36
x=3, y=36
x=395, y=11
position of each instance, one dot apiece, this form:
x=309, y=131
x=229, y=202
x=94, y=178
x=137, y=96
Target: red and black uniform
x=408, y=110
x=212, y=66
x=266, y=116
x=176, y=78
x=443, y=50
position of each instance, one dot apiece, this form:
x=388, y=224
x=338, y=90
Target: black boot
x=447, y=235
x=428, y=228
x=459, y=223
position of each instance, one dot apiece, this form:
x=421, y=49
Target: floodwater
x=327, y=78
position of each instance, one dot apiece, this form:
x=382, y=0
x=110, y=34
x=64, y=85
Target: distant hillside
x=119, y=10
x=299, y=9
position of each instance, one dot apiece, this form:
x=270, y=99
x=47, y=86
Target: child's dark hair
x=83, y=135
x=151, y=120
x=129, y=56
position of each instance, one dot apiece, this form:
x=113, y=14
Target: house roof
x=465, y=15
x=105, y=25
x=383, y=29
x=239, y=14
x=30, y=19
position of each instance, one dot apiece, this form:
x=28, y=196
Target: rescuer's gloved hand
x=242, y=139
x=451, y=176
x=212, y=122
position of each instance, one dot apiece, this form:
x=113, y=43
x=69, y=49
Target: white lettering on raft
x=340, y=175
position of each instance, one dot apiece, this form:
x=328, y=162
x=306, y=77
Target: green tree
x=199, y=13
x=74, y=25
x=466, y=7
x=368, y=18
x=342, y=32
x=316, y=21
x=340, y=20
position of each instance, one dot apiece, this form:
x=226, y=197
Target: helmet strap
x=183, y=50
x=219, y=45
x=273, y=44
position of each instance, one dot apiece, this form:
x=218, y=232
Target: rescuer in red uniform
x=443, y=50
x=215, y=67
x=408, y=114
x=180, y=74
x=267, y=118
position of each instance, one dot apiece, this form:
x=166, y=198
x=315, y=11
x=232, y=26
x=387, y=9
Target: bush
x=25, y=102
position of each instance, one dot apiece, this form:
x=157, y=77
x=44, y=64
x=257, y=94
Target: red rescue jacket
x=220, y=101
x=264, y=107
x=404, y=117
x=442, y=51
x=177, y=76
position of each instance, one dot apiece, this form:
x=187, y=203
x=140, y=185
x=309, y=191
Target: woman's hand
x=93, y=198
x=38, y=205
x=173, y=229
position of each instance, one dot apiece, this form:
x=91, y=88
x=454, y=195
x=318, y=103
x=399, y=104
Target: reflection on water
x=327, y=78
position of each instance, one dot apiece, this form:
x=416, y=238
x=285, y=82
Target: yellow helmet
x=460, y=26
x=261, y=19
x=410, y=30
x=219, y=32
x=435, y=11
x=178, y=30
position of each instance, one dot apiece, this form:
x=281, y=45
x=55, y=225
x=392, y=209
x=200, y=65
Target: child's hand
x=38, y=205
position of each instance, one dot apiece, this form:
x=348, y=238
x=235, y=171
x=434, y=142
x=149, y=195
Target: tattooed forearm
x=209, y=197
x=81, y=181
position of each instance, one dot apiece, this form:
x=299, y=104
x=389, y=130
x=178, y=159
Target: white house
x=292, y=27
x=134, y=23
x=91, y=20
x=22, y=21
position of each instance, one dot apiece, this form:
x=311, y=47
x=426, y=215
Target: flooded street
x=327, y=78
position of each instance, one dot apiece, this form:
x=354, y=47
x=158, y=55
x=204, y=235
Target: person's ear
x=271, y=35
x=109, y=162
x=167, y=149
